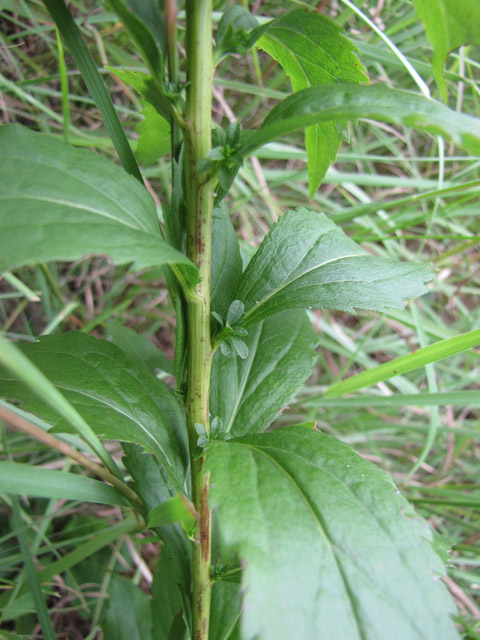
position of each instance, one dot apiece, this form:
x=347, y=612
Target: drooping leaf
x=154, y=139
x=312, y=51
x=376, y=102
x=117, y=396
x=248, y=394
x=21, y=479
x=128, y=614
x=171, y=581
x=226, y=266
x=449, y=24
x=73, y=202
x=330, y=549
x=139, y=347
x=146, y=86
x=176, y=509
x=307, y=261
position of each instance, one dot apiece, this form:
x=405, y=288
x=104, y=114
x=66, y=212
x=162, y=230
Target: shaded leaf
x=21, y=479
x=117, y=396
x=176, y=509
x=248, y=394
x=353, y=562
x=225, y=612
x=73, y=202
x=449, y=25
x=226, y=266
x=128, y=615
x=307, y=261
x=139, y=347
x=312, y=51
x=377, y=102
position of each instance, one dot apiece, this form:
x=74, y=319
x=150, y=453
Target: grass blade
x=404, y=364
x=87, y=67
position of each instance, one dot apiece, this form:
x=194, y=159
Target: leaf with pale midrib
x=329, y=547
x=61, y=203
x=307, y=261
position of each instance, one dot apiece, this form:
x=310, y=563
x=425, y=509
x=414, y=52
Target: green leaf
x=154, y=139
x=225, y=612
x=307, y=261
x=176, y=509
x=406, y=363
x=128, y=614
x=312, y=51
x=330, y=549
x=449, y=24
x=146, y=86
x=87, y=67
x=226, y=266
x=234, y=32
x=60, y=203
x=139, y=347
x=21, y=479
x=172, y=578
x=117, y=396
x=377, y=102
x=248, y=394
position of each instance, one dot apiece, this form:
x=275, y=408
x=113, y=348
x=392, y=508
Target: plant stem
x=199, y=198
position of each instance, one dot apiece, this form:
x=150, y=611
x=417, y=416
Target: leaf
x=92, y=78
x=154, y=139
x=225, y=612
x=307, y=261
x=234, y=32
x=449, y=25
x=329, y=547
x=312, y=51
x=226, y=266
x=349, y=102
x=146, y=86
x=139, y=347
x=128, y=614
x=118, y=397
x=172, y=578
x=176, y=509
x=60, y=203
x=248, y=394
x=406, y=363
x=17, y=478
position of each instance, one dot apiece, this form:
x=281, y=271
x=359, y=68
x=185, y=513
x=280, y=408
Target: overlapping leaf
x=248, y=394
x=119, y=398
x=61, y=203
x=330, y=549
x=307, y=261
x=313, y=52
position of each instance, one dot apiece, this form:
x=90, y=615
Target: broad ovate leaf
x=449, y=25
x=312, y=51
x=329, y=547
x=248, y=394
x=376, y=102
x=307, y=261
x=61, y=203
x=117, y=396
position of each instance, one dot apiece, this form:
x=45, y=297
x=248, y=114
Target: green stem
x=199, y=198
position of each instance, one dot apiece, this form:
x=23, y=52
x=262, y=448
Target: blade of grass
x=454, y=398
x=87, y=67
x=406, y=363
x=63, y=84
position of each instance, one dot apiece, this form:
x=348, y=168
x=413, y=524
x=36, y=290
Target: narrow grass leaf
x=88, y=69
x=19, y=479
x=406, y=363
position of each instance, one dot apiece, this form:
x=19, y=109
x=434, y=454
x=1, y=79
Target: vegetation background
x=399, y=193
